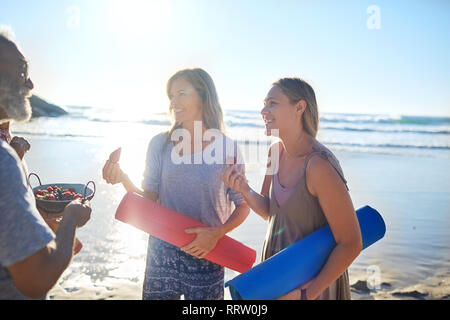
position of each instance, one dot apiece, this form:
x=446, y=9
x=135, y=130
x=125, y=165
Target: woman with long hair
x=304, y=189
x=177, y=175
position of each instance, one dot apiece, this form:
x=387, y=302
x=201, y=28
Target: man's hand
x=20, y=145
x=50, y=217
x=53, y=221
x=80, y=212
x=35, y=275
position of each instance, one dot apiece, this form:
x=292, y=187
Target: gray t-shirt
x=192, y=184
x=22, y=229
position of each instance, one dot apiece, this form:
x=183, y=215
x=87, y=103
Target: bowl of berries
x=53, y=198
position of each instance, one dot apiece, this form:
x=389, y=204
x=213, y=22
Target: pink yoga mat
x=169, y=225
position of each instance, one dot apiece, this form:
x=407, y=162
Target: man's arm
x=35, y=275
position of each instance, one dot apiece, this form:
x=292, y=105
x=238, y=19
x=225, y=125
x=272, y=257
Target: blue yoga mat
x=300, y=262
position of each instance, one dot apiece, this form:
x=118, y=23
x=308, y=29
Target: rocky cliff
x=42, y=108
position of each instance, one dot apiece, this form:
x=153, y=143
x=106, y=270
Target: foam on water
x=412, y=135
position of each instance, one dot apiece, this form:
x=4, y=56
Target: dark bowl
x=57, y=206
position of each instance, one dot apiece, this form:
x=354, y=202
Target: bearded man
x=32, y=256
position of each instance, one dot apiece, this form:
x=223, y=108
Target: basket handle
x=85, y=189
x=33, y=174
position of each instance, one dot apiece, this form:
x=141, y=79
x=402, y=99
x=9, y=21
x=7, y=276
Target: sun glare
x=136, y=18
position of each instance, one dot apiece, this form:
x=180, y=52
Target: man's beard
x=14, y=101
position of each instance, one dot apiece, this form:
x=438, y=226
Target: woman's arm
x=237, y=181
x=260, y=203
x=128, y=184
x=325, y=183
x=235, y=220
x=113, y=174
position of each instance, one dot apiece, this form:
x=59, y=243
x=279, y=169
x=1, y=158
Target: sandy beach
x=411, y=193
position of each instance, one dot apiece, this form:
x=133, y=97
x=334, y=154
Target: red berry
x=50, y=197
x=49, y=189
x=71, y=189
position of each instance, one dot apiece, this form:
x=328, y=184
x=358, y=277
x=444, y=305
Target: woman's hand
x=205, y=241
x=235, y=180
x=112, y=173
x=20, y=145
x=296, y=293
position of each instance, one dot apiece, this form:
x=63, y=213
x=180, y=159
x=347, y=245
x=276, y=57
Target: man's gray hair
x=7, y=36
x=6, y=33
x=13, y=100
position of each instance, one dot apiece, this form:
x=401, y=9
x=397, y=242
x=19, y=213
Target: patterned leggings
x=171, y=272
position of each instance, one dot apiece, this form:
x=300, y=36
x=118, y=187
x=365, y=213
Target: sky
x=369, y=57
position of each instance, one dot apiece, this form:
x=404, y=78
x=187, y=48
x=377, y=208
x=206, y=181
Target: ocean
x=385, y=134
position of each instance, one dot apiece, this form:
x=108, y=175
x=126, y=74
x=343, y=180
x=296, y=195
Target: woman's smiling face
x=185, y=102
x=278, y=112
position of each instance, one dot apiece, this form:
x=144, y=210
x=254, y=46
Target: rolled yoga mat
x=300, y=262
x=169, y=225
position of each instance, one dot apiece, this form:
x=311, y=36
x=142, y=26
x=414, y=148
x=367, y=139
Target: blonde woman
x=177, y=176
x=307, y=191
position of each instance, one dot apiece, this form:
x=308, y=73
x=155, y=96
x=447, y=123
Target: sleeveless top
x=299, y=216
x=281, y=192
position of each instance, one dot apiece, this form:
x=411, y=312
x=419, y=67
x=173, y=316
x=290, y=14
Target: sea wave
x=387, y=145
x=260, y=125
x=363, y=132
x=384, y=119
x=54, y=135
x=356, y=118
x=150, y=122
x=391, y=130
x=385, y=129
x=251, y=141
x=252, y=119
